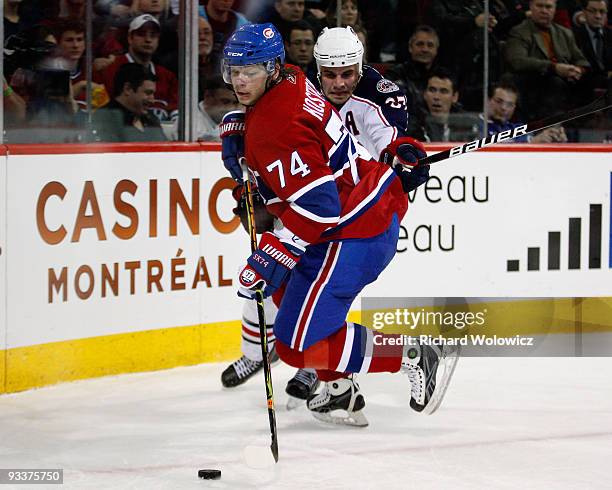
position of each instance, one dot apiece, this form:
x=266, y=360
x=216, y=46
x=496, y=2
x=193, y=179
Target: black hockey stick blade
x=599, y=104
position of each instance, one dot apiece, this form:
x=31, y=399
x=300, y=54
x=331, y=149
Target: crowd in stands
x=544, y=57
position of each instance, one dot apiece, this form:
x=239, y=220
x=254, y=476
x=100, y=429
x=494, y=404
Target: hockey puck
x=209, y=474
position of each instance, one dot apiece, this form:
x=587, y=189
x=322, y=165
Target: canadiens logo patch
x=268, y=33
x=385, y=86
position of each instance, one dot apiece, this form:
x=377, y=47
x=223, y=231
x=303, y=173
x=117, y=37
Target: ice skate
x=429, y=369
x=340, y=402
x=300, y=387
x=243, y=369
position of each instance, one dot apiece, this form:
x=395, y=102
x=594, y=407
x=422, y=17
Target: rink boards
x=122, y=258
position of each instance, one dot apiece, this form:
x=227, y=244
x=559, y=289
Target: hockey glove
x=267, y=267
x=264, y=221
x=232, y=143
x=403, y=156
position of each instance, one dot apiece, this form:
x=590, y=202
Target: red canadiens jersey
x=309, y=169
x=165, y=105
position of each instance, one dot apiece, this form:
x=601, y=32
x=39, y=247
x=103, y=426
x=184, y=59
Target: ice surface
x=505, y=423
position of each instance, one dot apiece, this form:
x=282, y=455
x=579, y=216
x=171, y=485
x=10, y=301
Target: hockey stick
x=263, y=331
x=599, y=104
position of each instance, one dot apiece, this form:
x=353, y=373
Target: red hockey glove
x=267, y=267
x=232, y=143
x=403, y=156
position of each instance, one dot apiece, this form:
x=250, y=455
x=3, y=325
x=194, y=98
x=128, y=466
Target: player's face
x=338, y=83
x=502, y=105
x=300, y=47
x=439, y=96
x=72, y=44
x=596, y=13
x=543, y=12
x=249, y=82
x=423, y=48
x=144, y=41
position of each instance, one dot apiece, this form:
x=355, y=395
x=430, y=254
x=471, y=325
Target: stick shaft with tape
x=261, y=316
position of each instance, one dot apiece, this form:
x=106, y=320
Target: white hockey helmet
x=338, y=46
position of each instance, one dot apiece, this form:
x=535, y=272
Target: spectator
x=460, y=24
x=444, y=119
x=349, y=14
x=286, y=12
x=51, y=114
x=143, y=41
x=503, y=99
x=128, y=117
x=423, y=51
x=208, y=64
x=545, y=59
x=70, y=36
x=217, y=100
x=223, y=20
x=14, y=22
x=299, y=45
x=594, y=39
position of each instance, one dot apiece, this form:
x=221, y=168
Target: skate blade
x=449, y=360
x=351, y=419
x=293, y=403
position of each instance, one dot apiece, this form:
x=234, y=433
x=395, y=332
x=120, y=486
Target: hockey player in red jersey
x=338, y=214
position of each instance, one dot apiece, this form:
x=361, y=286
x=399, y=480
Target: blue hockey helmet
x=253, y=44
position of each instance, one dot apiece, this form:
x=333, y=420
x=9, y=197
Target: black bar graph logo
x=574, y=255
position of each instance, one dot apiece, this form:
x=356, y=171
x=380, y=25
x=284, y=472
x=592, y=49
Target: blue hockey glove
x=266, y=268
x=403, y=156
x=232, y=143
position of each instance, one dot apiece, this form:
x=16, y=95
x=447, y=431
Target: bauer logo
x=268, y=33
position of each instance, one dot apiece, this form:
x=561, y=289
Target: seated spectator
x=24, y=54
x=51, y=115
x=217, y=100
x=503, y=99
x=594, y=38
x=70, y=36
x=14, y=22
x=546, y=61
x=460, y=24
x=299, y=45
x=423, y=51
x=223, y=20
x=208, y=64
x=143, y=41
x=444, y=119
x=349, y=14
x=128, y=117
x=286, y=12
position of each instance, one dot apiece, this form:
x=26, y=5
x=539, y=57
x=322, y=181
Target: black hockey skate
x=303, y=384
x=243, y=369
x=336, y=398
x=429, y=369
